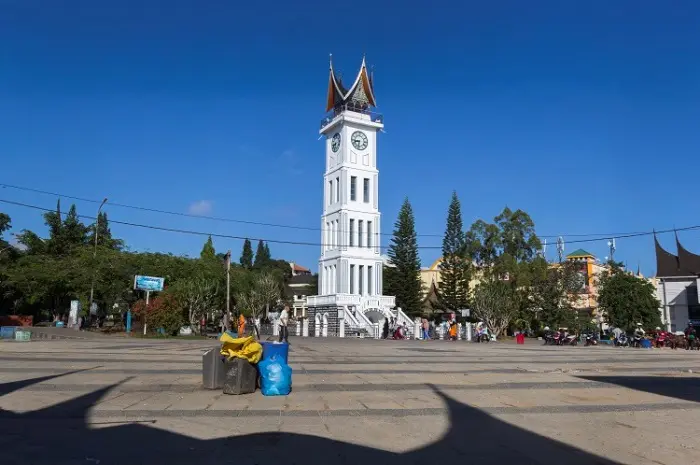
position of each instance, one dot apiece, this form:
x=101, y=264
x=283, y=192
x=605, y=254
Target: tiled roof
x=300, y=268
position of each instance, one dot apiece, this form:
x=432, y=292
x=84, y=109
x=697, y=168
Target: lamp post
x=94, y=254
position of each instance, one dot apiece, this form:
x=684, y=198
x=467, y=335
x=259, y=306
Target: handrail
x=337, y=111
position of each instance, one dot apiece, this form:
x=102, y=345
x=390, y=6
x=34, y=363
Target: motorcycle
x=591, y=340
x=482, y=337
x=621, y=341
x=662, y=339
x=636, y=341
x=557, y=338
x=569, y=340
x=549, y=339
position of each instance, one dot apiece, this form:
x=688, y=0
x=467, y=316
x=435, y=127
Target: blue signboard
x=148, y=283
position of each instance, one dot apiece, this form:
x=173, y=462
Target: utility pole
x=228, y=291
x=94, y=255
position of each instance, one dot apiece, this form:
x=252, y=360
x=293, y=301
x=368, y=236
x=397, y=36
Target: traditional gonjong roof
x=687, y=260
x=431, y=303
x=668, y=265
x=360, y=94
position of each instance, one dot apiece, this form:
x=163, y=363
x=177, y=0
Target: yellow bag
x=243, y=347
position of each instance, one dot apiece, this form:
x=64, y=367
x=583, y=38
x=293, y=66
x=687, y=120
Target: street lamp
x=94, y=254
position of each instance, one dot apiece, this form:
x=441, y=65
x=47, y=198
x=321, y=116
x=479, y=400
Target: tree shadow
x=680, y=388
x=60, y=434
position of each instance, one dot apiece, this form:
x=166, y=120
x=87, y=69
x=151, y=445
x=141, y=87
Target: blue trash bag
x=275, y=377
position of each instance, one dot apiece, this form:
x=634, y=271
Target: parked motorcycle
x=570, y=340
x=621, y=341
x=591, y=340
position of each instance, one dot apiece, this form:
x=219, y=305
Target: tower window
x=352, y=234
x=369, y=280
x=365, y=190
x=353, y=188
x=360, y=226
x=330, y=192
x=352, y=279
x=369, y=234
x=361, y=279
x=337, y=189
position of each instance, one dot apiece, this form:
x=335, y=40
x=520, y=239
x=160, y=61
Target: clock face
x=335, y=142
x=359, y=140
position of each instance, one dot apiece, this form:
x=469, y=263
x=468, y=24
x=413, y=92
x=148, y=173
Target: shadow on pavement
x=60, y=434
x=6, y=388
x=680, y=388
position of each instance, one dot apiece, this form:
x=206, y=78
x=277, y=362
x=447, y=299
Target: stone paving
x=116, y=400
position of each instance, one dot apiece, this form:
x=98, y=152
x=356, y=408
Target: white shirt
x=284, y=317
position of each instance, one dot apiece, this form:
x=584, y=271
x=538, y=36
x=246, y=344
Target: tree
x=627, y=300
x=55, y=224
x=262, y=256
x=104, y=233
x=550, y=294
x=496, y=304
x=5, y=224
x=403, y=276
x=197, y=296
x=455, y=265
x=208, y=252
x=74, y=233
x=247, y=255
x=162, y=312
x=264, y=293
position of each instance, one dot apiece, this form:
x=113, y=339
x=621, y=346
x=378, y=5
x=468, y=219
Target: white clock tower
x=350, y=267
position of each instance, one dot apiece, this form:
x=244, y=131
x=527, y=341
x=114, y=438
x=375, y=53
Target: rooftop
x=580, y=253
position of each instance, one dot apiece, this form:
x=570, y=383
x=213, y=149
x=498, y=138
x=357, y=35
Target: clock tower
x=350, y=268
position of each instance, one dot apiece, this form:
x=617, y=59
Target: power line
x=318, y=244
x=257, y=223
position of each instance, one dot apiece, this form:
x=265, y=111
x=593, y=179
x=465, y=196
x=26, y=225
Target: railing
x=403, y=319
x=387, y=301
x=333, y=299
x=355, y=108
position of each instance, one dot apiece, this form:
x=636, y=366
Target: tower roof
x=667, y=264
x=580, y=253
x=687, y=260
x=360, y=94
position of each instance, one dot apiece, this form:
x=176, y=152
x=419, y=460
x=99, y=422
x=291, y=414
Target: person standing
x=453, y=330
x=241, y=325
x=426, y=329
x=283, y=321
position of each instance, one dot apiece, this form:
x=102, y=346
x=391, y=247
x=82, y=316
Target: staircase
x=403, y=319
x=358, y=325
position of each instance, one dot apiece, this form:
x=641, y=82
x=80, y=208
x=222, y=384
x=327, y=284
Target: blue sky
x=584, y=114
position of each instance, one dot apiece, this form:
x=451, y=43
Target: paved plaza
x=114, y=400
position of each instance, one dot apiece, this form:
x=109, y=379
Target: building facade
x=677, y=281
x=350, y=266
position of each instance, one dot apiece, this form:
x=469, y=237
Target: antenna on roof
x=611, y=244
x=560, y=248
